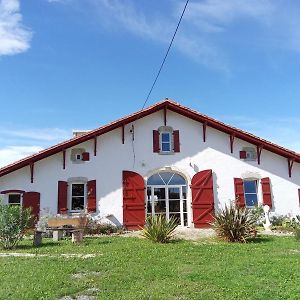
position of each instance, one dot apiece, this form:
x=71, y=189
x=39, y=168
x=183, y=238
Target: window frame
x=70, y=197
x=21, y=199
x=256, y=181
x=161, y=142
x=251, y=154
x=166, y=130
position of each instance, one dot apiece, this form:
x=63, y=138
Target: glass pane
x=174, y=193
x=77, y=203
x=77, y=189
x=165, y=137
x=251, y=199
x=159, y=193
x=166, y=177
x=174, y=206
x=185, y=221
x=149, y=193
x=165, y=146
x=177, y=180
x=149, y=207
x=177, y=217
x=250, y=186
x=184, y=192
x=184, y=206
x=155, y=180
x=160, y=206
x=14, y=199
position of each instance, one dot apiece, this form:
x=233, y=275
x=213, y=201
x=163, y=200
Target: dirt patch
x=64, y=255
x=89, y=294
x=81, y=275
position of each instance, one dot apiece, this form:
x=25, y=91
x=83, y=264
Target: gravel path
x=181, y=233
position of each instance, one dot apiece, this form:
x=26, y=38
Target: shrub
x=258, y=214
x=158, y=229
x=234, y=223
x=93, y=227
x=14, y=220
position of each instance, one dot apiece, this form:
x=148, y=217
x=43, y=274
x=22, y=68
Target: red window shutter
x=202, y=198
x=62, y=205
x=133, y=200
x=239, y=192
x=243, y=154
x=266, y=191
x=32, y=200
x=155, y=141
x=91, y=196
x=176, y=141
x=85, y=156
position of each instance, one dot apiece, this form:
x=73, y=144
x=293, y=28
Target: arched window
x=167, y=195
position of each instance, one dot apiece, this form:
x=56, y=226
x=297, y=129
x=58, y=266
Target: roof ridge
x=165, y=103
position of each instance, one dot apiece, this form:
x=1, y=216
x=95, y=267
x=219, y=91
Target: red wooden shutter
x=62, y=204
x=155, y=141
x=176, y=141
x=85, y=156
x=32, y=200
x=202, y=198
x=243, y=154
x=91, y=196
x=133, y=200
x=239, y=192
x=266, y=191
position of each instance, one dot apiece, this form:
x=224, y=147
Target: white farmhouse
x=166, y=159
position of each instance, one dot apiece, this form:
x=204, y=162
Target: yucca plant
x=158, y=229
x=234, y=223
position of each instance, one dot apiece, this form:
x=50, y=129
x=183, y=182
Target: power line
x=166, y=55
x=155, y=80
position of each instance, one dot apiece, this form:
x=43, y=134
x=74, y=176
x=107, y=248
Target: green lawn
x=131, y=268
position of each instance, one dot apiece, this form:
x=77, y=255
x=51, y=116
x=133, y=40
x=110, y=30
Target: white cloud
x=11, y=154
x=19, y=143
x=206, y=24
x=14, y=36
x=34, y=134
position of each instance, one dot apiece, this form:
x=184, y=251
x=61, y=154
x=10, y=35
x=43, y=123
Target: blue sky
x=74, y=64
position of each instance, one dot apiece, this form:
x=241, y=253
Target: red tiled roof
x=165, y=104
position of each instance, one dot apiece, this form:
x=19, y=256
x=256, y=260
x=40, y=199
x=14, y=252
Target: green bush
x=14, y=220
x=235, y=224
x=258, y=214
x=158, y=229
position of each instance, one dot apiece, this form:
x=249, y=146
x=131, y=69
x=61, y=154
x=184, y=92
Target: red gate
x=202, y=198
x=133, y=200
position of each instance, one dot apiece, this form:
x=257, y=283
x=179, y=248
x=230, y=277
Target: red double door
x=134, y=199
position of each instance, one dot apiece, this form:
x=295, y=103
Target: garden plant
x=14, y=220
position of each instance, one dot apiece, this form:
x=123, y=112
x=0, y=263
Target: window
x=165, y=142
x=250, y=189
x=14, y=199
x=77, y=196
x=76, y=155
x=250, y=153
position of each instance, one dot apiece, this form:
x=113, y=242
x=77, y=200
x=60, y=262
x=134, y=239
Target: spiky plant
x=234, y=223
x=158, y=229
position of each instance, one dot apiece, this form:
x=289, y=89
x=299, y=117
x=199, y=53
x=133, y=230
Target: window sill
x=166, y=153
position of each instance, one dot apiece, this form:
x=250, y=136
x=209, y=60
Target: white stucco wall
x=113, y=157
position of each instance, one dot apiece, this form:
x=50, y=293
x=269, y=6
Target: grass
x=131, y=268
